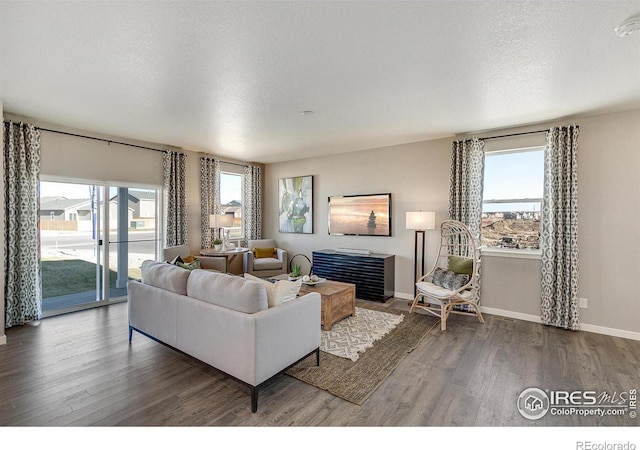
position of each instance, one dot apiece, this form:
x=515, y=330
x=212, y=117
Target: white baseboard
x=3, y=339
x=610, y=331
x=403, y=296
x=583, y=326
x=533, y=318
x=511, y=314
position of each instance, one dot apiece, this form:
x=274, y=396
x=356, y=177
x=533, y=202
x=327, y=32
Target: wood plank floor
x=78, y=369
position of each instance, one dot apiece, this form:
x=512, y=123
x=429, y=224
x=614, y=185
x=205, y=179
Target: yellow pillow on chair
x=264, y=252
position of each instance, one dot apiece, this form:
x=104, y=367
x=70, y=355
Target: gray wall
x=414, y=174
x=417, y=176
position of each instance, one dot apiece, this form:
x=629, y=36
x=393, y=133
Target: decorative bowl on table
x=312, y=280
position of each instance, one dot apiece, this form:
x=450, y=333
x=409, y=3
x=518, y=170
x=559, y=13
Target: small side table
x=228, y=255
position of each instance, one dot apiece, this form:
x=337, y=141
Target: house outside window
x=513, y=199
x=231, y=197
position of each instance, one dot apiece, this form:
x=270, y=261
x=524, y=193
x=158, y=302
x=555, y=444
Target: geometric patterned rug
x=355, y=381
x=355, y=334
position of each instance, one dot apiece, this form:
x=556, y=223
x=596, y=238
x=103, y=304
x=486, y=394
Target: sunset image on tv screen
x=360, y=215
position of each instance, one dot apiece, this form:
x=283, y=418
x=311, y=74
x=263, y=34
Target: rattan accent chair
x=453, y=283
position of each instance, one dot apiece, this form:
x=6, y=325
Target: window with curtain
x=231, y=199
x=513, y=199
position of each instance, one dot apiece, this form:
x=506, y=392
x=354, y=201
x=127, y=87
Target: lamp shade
x=220, y=220
x=421, y=220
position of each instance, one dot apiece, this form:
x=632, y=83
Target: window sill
x=506, y=253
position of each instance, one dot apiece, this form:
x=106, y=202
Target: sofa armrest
x=282, y=256
x=213, y=262
x=248, y=262
x=286, y=333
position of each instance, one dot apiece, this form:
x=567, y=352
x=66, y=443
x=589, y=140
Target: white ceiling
x=232, y=78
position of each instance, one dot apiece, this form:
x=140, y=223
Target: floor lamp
x=420, y=221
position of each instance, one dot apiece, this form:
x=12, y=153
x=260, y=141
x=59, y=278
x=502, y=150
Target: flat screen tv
x=360, y=215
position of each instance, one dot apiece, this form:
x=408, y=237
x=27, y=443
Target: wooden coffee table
x=338, y=300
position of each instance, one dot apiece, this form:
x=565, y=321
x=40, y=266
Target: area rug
x=355, y=381
x=352, y=336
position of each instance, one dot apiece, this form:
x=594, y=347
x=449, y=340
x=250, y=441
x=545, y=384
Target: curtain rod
x=207, y=155
x=515, y=134
x=109, y=141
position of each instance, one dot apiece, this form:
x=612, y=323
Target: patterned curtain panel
x=174, y=165
x=252, y=207
x=209, y=197
x=559, y=235
x=465, y=190
x=466, y=182
x=23, y=285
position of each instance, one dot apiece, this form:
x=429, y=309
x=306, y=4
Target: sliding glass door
x=93, y=240
x=133, y=234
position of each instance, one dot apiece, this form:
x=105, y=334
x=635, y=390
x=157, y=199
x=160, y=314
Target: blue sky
x=513, y=175
x=230, y=187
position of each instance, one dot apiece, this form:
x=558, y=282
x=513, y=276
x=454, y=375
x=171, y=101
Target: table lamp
x=220, y=221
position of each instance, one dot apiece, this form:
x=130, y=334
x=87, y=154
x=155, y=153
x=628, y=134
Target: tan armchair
x=206, y=262
x=267, y=266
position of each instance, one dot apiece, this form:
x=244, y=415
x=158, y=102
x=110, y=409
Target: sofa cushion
x=229, y=291
x=165, y=276
x=281, y=291
x=434, y=291
x=267, y=264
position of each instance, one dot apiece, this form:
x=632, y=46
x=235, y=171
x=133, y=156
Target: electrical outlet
x=582, y=302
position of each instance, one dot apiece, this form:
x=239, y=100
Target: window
x=512, y=199
x=231, y=201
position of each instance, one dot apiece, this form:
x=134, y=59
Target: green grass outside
x=73, y=276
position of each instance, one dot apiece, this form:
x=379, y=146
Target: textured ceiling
x=232, y=78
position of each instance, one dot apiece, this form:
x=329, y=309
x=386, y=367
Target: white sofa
x=224, y=321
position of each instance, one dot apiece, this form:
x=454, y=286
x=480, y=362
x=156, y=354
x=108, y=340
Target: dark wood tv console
x=373, y=274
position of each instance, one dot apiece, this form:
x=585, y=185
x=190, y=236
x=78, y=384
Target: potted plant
x=217, y=244
x=295, y=273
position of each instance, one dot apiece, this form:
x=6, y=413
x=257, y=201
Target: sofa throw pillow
x=281, y=291
x=195, y=264
x=175, y=261
x=456, y=280
x=266, y=252
x=188, y=259
x=458, y=264
x=448, y=279
x=438, y=277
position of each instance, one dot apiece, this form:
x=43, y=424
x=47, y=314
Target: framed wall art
x=295, y=204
